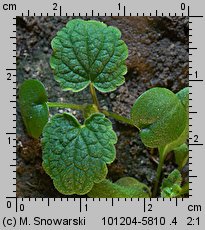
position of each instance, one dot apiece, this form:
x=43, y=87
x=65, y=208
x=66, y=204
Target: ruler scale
x=85, y=213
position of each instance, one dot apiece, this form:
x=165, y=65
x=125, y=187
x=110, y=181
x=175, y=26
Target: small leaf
x=74, y=155
x=161, y=118
x=34, y=110
x=89, y=51
x=181, y=155
x=126, y=187
x=171, y=186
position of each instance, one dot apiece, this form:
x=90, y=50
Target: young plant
x=75, y=156
x=162, y=118
x=171, y=186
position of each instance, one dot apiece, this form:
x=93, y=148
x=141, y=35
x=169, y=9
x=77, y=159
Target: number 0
x=21, y=207
x=8, y=204
x=183, y=6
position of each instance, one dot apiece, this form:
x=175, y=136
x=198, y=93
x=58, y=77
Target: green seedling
x=75, y=156
x=162, y=118
x=171, y=186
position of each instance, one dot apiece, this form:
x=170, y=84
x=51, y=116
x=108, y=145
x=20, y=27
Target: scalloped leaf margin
x=87, y=52
x=74, y=155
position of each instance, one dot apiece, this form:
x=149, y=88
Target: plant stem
x=66, y=105
x=159, y=171
x=82, y=108
x=117, y=117
x=94, y=95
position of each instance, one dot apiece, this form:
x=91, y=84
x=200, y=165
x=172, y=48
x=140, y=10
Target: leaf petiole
x=117, y=117
x=94, y=96
x=83, y=107
x=162, y=156
x=66, y=105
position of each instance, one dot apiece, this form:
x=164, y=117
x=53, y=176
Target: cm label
x=9, y=6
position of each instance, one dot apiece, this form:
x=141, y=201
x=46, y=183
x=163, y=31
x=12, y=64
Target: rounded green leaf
x=125, y=187
x=160, y=116
x=74, y=155
x=34, y=110
x=88, y=51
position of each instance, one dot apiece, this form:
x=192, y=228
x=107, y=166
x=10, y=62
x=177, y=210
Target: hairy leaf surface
x=34, y=110
x=74, y=155
x=125, y=187
x=161, y=117
x=89, y=52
